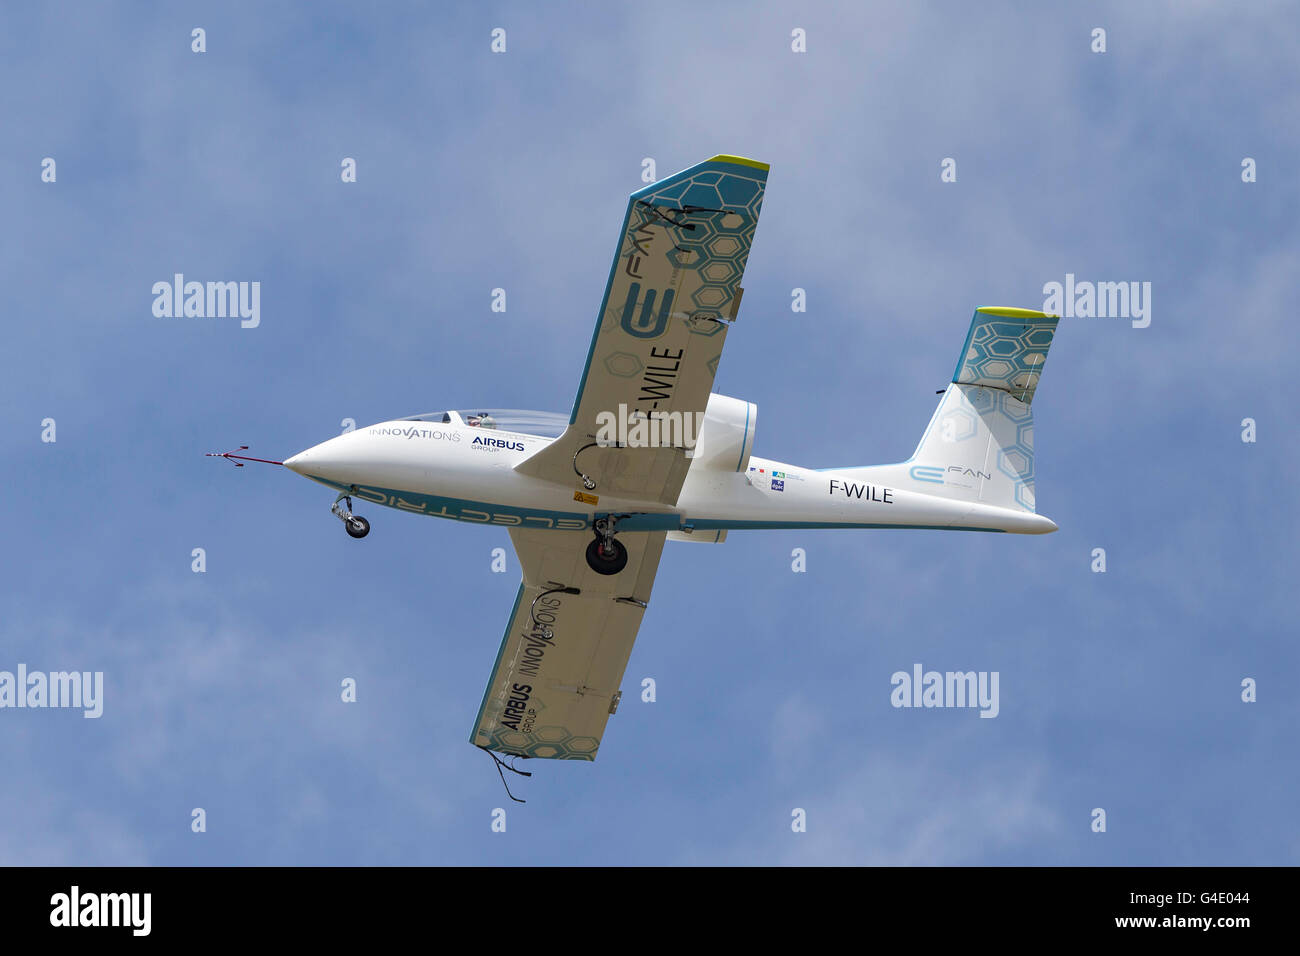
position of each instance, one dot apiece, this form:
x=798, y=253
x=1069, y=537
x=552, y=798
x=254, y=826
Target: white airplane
x=589, y=516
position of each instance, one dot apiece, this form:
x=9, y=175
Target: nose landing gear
x=355, y=525
x=605, y=554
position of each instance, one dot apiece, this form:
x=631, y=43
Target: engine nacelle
x=726, y=438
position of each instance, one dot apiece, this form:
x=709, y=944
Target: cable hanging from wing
x=502, y=764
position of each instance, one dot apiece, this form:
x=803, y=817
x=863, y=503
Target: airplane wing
x=557, y=675
x=673, y=290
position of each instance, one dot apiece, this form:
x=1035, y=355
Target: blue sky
x=476, y=171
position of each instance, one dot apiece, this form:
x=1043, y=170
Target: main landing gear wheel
x=357, y=526
x=606, y=555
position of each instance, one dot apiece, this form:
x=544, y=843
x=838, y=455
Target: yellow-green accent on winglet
x=1008, y=313
x=740, y=161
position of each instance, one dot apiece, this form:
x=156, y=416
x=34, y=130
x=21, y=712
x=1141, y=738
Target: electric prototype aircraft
x=589, y=517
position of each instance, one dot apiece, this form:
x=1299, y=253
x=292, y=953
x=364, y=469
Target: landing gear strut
x=605, y=554
x=355, y=525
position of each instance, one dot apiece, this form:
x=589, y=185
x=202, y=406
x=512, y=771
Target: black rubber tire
x=357, y=526
x=604, y=563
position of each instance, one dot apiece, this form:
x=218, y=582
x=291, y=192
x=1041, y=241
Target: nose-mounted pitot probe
x=239, y=459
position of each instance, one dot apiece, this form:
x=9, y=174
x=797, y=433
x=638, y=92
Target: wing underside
x=557, y=675
x=673, y=290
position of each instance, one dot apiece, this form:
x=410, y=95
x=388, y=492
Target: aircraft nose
x=339, y=459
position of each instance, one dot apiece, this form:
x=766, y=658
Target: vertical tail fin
x=979, y=445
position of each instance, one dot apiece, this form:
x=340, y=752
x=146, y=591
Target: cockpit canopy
x=518, y=420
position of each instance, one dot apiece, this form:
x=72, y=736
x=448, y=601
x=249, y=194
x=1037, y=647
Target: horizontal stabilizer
x=1006, y=349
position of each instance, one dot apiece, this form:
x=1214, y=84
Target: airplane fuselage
x=467, y=473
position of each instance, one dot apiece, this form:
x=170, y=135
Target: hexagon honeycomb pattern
x=724, y=201
x=980, y=412
x=554, y=743
x=1006, y=352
